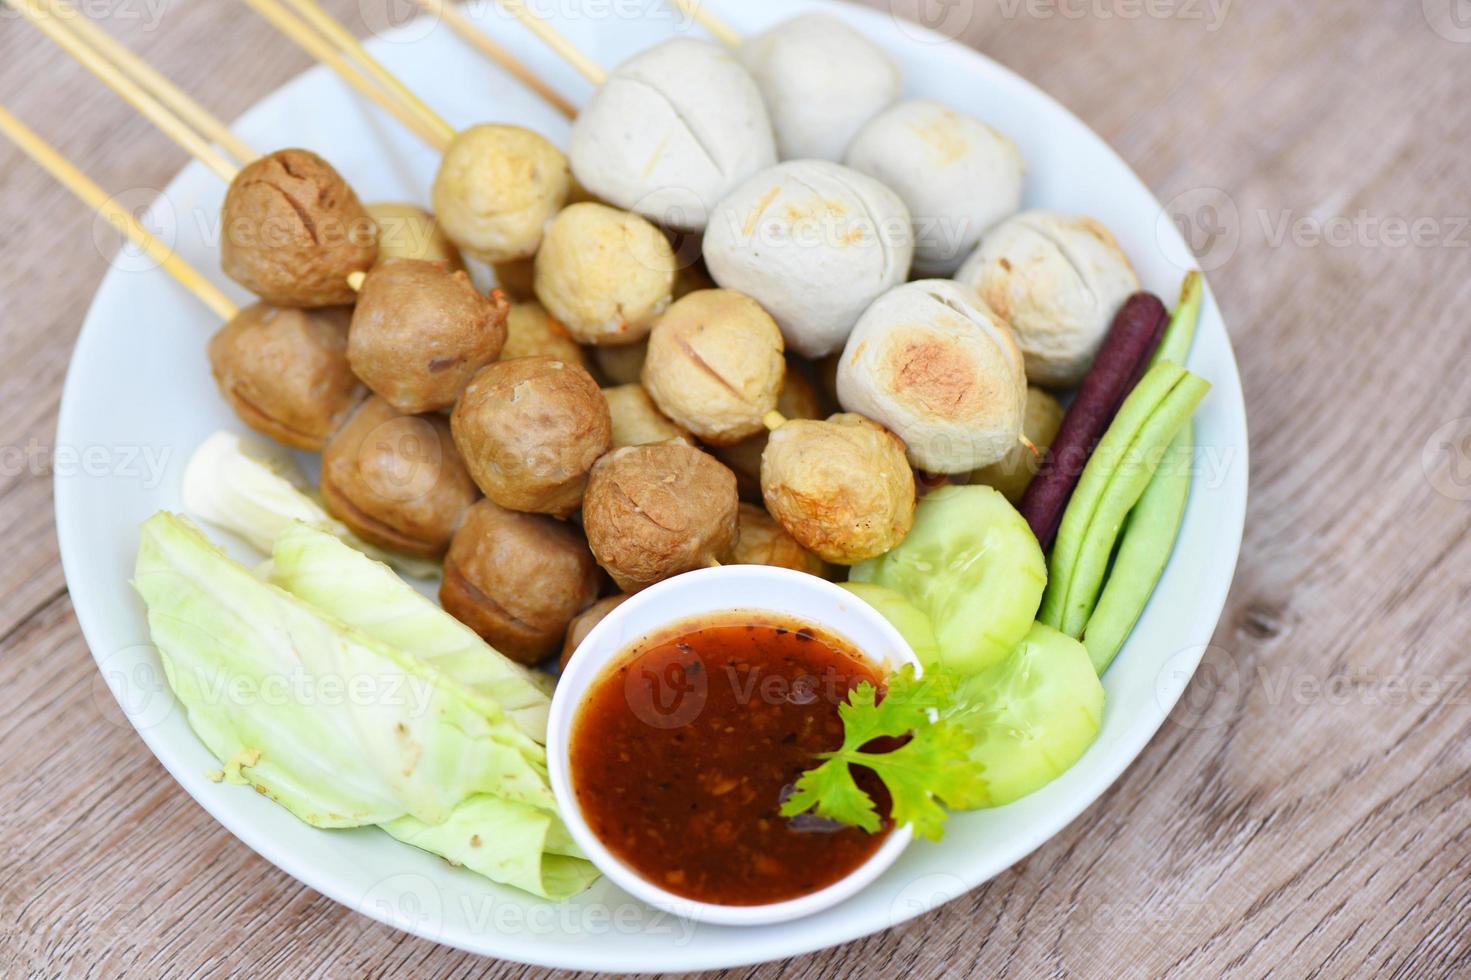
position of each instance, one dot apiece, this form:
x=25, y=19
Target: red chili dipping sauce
x=683, y=750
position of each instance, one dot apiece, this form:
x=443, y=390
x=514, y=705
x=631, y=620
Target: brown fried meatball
x=798, y=400
x=420, y=332
x=396, y=479
x=762, y=541
x=531, y=330
x=293, y=231
x=654, y=511
x=583, y=623
x=636, y=419
x=517, y=579
x=285, y=373
x=841, y=487
x=530, y=429
x=407, y=231
x=715, y=365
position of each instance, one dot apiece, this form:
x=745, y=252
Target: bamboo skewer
x=119, y=217
x=710, y=21
x=130, y=91
x=549, y=36
x=330, y=28
x=482, y=42
x=301, y=32
x=153, y=81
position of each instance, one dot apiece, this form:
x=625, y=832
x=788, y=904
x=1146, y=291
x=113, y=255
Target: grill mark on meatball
x=388, y=535
x=1067, y=257
x=302, y=213
x=705, y=366
x=283, y=161
x=639, y=509
x=480, y=597
x=239, y=395
x=684, y=120
x=749, y=228
x=886, y=259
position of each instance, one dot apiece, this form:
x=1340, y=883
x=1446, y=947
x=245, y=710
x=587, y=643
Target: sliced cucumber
x=905, y=616
x=1032, y=715
x=974, y=567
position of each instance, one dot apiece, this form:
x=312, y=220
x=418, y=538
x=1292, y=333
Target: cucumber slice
x=905, y=616
x=974, y=567
x=1032, y=715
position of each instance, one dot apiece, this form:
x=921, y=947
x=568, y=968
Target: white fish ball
x=814, y=243
x=958, y=176
x=1058, y=280
x=822, y=81
x=933, y=364
x=671, y=131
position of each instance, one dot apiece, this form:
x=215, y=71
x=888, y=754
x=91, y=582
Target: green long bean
x=1124, y=489
x=1145, y=546
x=1149, y=534
x=1112, y=450
x=1119, y=471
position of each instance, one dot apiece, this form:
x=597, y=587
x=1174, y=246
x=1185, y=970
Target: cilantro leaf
x=930, y=769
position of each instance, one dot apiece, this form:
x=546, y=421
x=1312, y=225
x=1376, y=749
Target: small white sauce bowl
x=730, y=588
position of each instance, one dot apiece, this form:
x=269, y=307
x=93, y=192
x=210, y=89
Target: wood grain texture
x=1308, y=809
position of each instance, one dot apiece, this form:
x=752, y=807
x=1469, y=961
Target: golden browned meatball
x=531, y=330
x=530, y=429
x=798, y=400
x=407, y=231
x=293, y=231
x=583, y=623
x=606, y=274
x=715, y=365
x=841, y=487
x=621, y=365
x=637, y=421
x=654, y=511
x=396, y=479
x=496, y=189
x=284, y=371
x=420, y=332
x=761, y=541
x=1013, y=474
x=517, y=579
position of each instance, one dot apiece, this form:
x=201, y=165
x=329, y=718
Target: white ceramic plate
x=139, y=398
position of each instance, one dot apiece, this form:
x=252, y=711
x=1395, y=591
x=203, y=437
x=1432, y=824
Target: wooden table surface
x=1308, y=808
